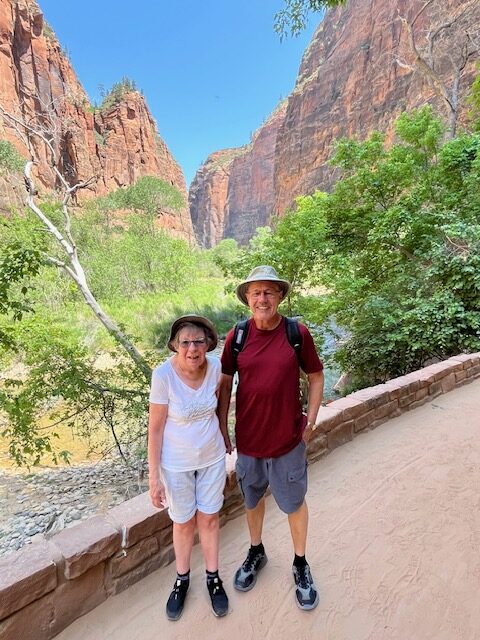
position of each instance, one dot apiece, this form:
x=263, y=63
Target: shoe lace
x=177, y=588
x=303, y=578
x=217, y=586
x=251, y=559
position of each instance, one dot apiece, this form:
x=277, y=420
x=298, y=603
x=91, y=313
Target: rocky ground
x=44, y=502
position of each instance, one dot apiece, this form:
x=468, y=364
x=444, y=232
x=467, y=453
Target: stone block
x=48, y=616
x=421, y=394
x=75, y=598
x=231, y=481
x=466, y=359
x=86, y=544
x=128, y=559
x=34, y=622
x=404, y=402
x=449, y=382
x=318, y=442
x=364, y=421
x=443, y=369
x=340, y=435
x=235, y=511
x=435, y=389
x=137, y=519
x=460, y=376
x=350, y=406
x=328, y=418
x=420, y=378
x=164, y=537
x=402, y=385
x=387, y=410
x=473, y=371
x=419, y=403
x=25, y=576
x=117, y=585
x=373, y=397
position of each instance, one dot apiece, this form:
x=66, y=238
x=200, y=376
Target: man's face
x=263, y=299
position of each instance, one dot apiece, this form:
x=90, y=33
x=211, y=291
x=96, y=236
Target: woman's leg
x=208, y=530
x=183, y=535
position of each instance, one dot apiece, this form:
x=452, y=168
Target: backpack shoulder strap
x=239, y=338
x=294, y=337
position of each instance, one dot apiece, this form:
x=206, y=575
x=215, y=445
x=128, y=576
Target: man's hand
x=308, y=431
x=157, y=493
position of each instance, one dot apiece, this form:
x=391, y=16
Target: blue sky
x=211, y=70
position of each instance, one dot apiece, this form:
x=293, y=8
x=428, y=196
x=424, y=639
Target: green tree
x=404, y=242
x=393, y=250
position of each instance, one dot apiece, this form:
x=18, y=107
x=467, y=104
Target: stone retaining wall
x=44, y=587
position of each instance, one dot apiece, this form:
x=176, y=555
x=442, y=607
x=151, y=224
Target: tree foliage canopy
x=395, y=246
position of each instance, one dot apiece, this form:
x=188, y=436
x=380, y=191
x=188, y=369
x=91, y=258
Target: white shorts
x=191, y=491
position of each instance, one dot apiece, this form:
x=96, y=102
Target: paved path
x=394, y=546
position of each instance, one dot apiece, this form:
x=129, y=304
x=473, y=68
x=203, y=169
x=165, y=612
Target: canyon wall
x=357, y=75
x=117, y=145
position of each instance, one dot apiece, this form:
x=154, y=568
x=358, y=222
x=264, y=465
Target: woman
x=186, y=453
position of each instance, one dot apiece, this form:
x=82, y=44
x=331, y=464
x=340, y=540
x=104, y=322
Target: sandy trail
x=394, y=547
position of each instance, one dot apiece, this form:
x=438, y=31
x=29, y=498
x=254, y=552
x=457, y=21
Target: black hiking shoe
x=306, y=594
x=176, y=599
x=246, y=576
x=218, y=596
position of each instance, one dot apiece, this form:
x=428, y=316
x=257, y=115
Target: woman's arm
x=157, y=418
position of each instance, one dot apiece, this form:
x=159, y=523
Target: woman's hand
x=157, y=493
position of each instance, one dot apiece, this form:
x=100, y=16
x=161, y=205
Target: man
x=271, y=431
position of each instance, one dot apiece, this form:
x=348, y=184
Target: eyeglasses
x=184, y=344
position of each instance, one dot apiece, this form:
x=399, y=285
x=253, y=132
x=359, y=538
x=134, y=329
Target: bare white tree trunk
x=71, y=265
x=74, y=269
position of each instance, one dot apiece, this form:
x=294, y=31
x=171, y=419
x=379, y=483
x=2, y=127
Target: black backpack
x=240, y=334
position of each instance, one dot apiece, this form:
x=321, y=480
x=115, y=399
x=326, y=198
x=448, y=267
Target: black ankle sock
x=211, y=575
x=258, y=548
x=184, y=577
x=299, y=561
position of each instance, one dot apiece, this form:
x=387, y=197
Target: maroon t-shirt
x=269, y=420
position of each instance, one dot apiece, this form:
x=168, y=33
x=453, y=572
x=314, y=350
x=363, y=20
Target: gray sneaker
x=246, y=576
x=306, y=594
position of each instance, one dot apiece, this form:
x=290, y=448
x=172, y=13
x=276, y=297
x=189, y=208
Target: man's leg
x=298, y=522
x=255, y=519
x=252, y=474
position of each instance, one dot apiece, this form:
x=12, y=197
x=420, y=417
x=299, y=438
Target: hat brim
x=242, y=288
x=199, y=321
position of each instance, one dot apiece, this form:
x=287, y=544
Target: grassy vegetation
x=10, y=159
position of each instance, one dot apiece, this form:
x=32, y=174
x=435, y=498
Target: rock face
x=117, y=145
x=357, y=75
x=232, y=193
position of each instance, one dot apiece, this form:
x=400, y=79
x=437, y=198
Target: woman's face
x=192, y=345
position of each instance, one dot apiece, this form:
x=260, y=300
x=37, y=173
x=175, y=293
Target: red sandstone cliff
x=233, y=192
x=357, y=75
x=118, y=145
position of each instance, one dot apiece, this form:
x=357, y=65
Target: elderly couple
x=188, y=437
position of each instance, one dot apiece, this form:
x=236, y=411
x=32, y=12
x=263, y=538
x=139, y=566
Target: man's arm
x=315, y=395
x=224, y=394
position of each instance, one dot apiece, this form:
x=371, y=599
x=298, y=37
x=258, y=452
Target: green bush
x=10, y=159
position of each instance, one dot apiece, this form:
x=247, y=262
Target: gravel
x=47, y=501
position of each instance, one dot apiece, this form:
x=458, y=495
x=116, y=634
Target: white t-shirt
x=192, y=438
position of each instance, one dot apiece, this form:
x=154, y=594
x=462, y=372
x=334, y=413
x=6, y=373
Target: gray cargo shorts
x=286, y=475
